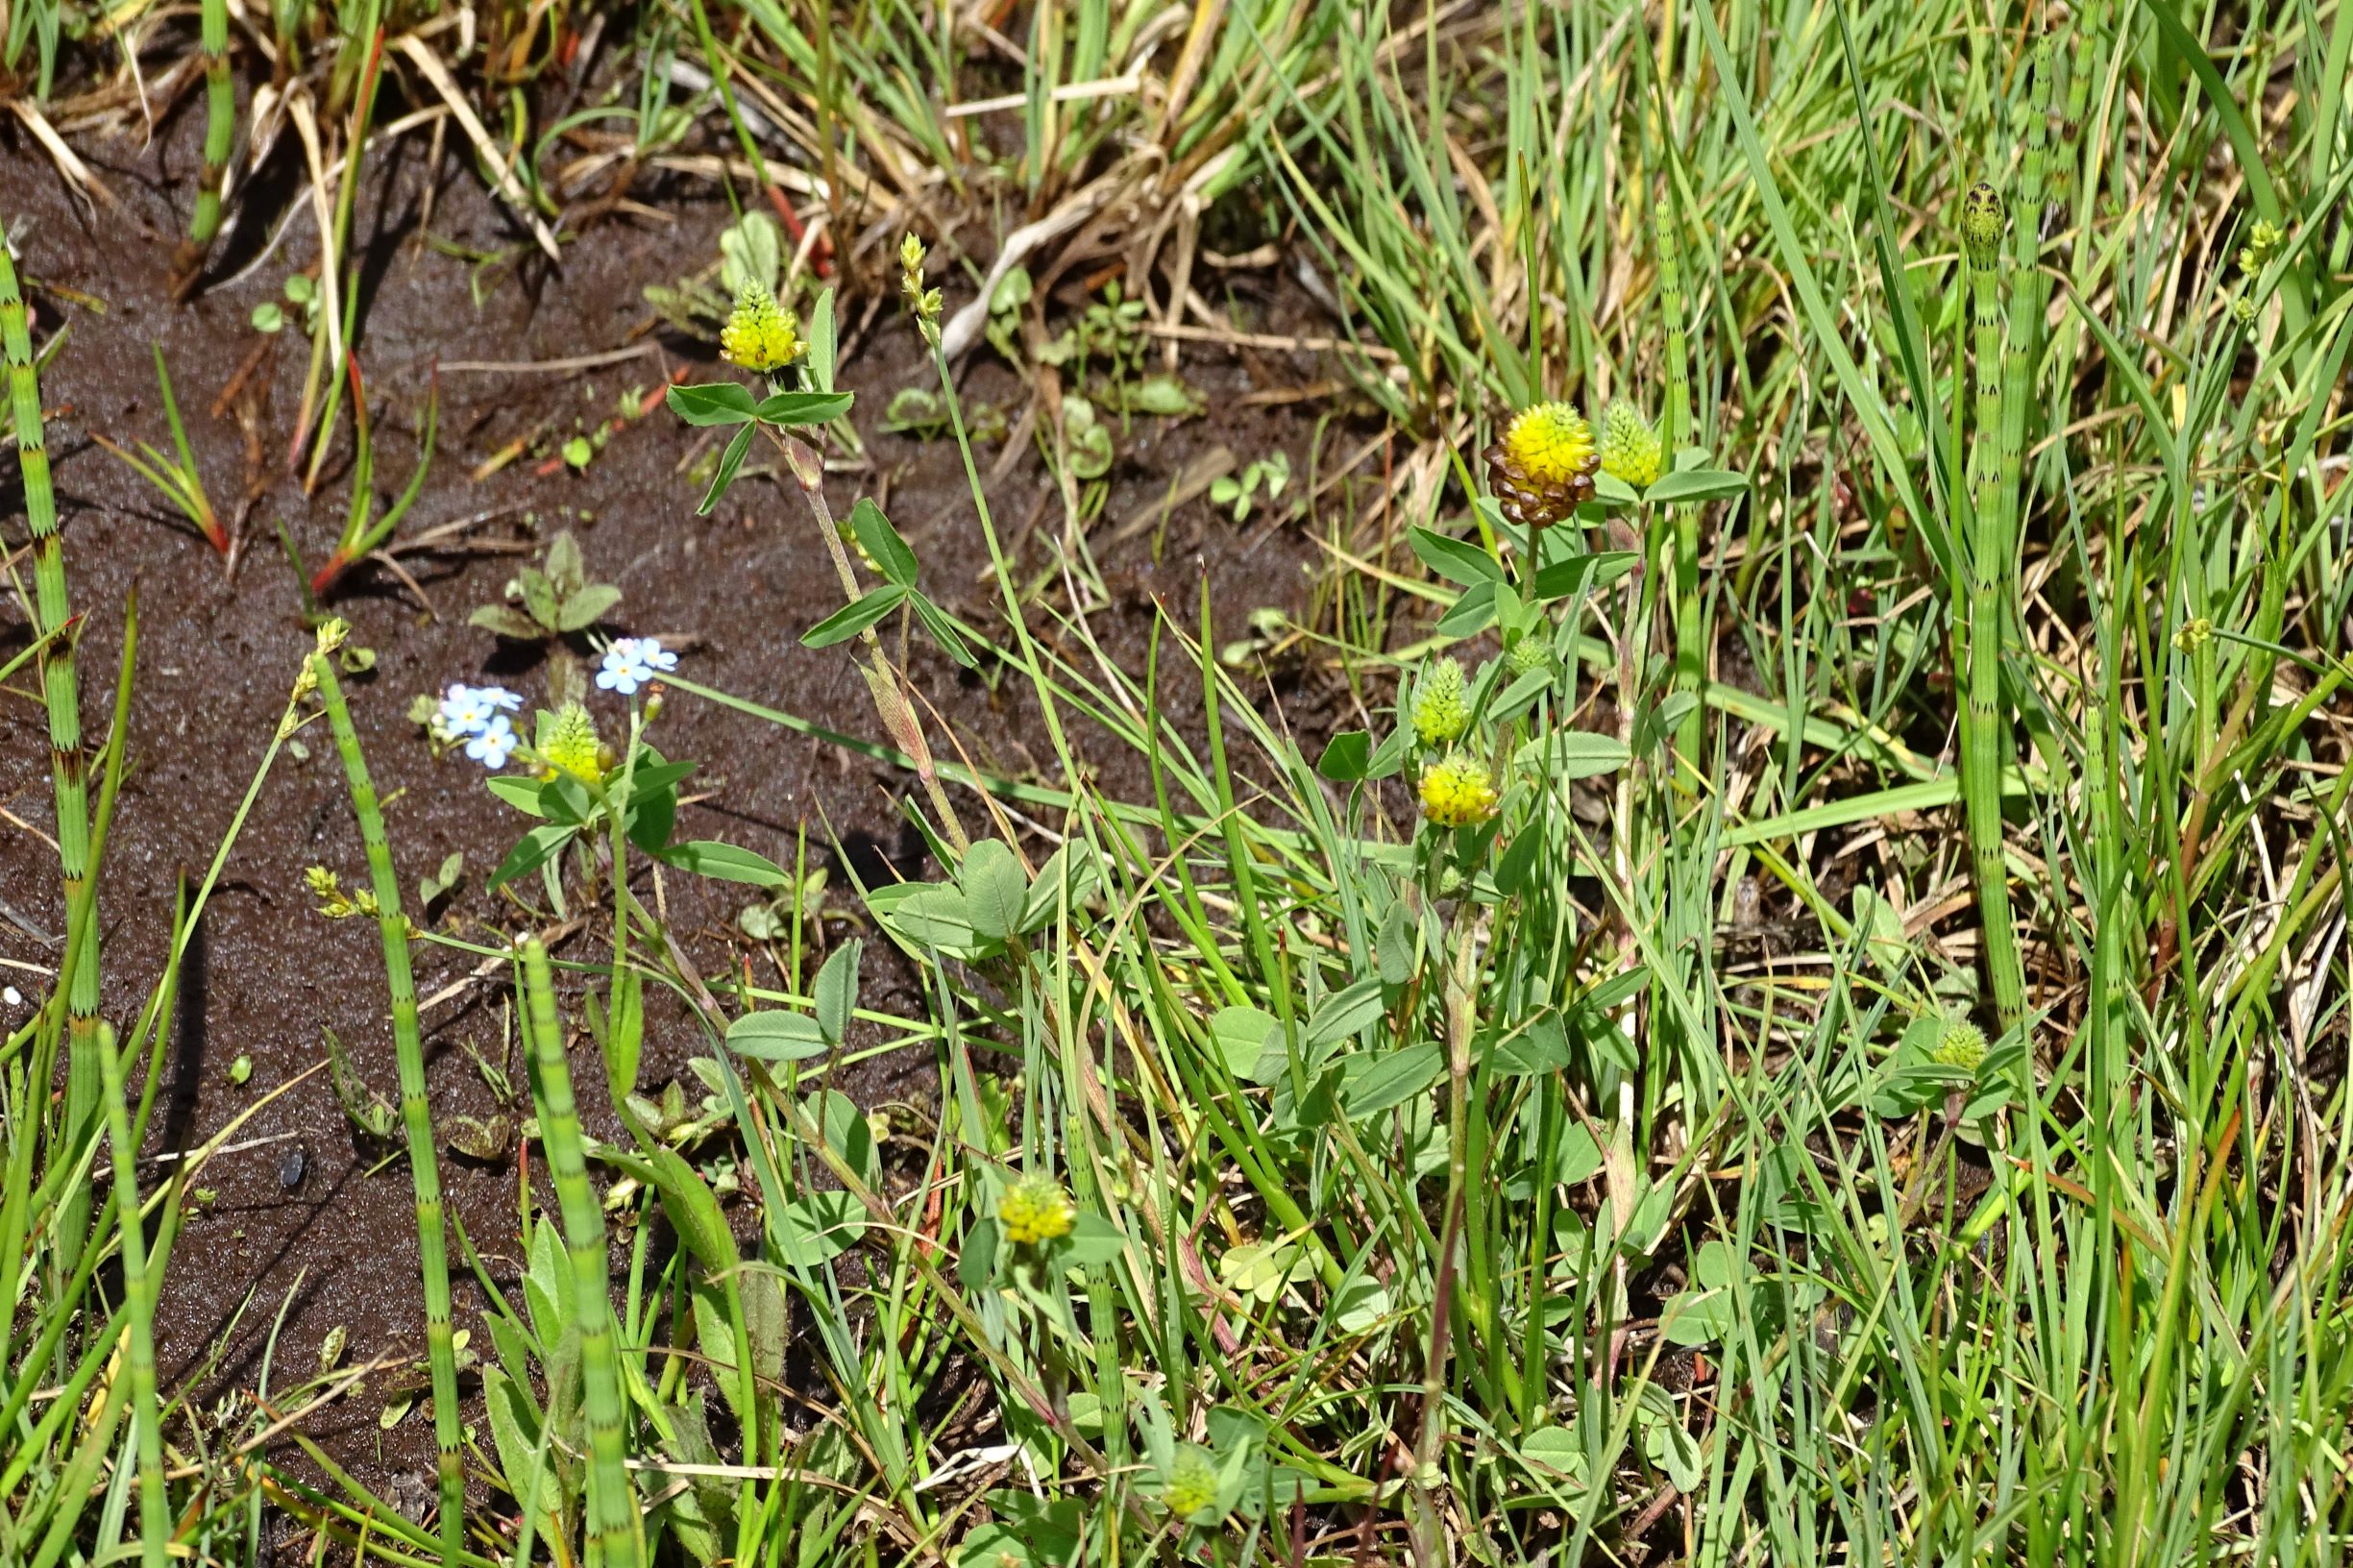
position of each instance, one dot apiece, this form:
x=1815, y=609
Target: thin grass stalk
x=613, y=1537
x=416, y=1117
x=220, y=134
x=52, y=610
x=1984, y=729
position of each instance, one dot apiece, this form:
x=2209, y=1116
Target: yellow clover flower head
x=1192, y=1486
x=1458, y=791
x=1036, y=1209
x=1442, y=704
x=1631, y=450
x=1962, y=1045
x=1542, y=468
x=568, y=744
x=760, y=334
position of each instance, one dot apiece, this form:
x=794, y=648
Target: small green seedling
x=364, y=532
x=301, y=293
x=183, y=484
x=750, y=250
x=1089, y=439
x=431, y=889
x=551, y=601
x=1271, y=473
x=370, y=1113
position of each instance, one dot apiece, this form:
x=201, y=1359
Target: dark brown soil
x=218, y=654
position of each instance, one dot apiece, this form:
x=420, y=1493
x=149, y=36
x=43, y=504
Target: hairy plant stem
x=416, y=1117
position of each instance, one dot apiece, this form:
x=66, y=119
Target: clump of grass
x=364, y=530
x=176, y=477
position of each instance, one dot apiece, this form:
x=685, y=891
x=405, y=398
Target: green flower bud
x=1961, y=1045
x=1191, y=1487
x=568, y=744
x=1442, y=703
x=1631, y=450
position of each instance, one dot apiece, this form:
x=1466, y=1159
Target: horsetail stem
x=1690, y=652
x=612, y=1506
x=139, y=1289
x=1984, y=731
x=2029, y=290
x=416, y=1117
x=52, y=610
x=220, y=132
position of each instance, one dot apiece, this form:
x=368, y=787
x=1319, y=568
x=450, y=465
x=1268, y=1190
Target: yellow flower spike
x=1036, y=1209
x=568, y=744
x=1542, y=468
x=760, y=335
x=1631, y=450
x=1457, y=791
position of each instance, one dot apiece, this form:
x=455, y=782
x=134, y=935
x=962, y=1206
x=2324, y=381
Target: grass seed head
x=1631, y=450
x=760, y=335
x=924, y=303
x=1457, y=791
x=1542, y=468
x=2263, y=240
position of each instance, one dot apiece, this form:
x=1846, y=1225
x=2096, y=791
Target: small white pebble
x=12, y=995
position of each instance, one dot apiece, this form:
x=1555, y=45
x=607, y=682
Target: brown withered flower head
x=1542, y=468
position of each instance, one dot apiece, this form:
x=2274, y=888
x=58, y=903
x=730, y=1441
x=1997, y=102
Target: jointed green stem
x=1984, y=725
x=1690, y=631
x=2029, y=288
x=52, y=608
x=416, y=1117
x=612, y=1506
x=220, y=132
x=140, y=1289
